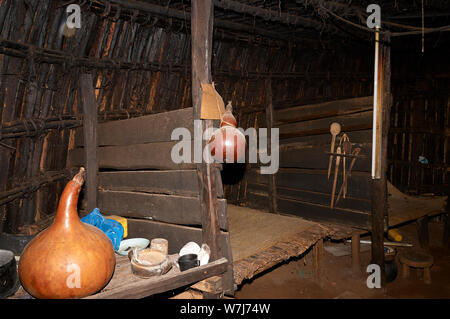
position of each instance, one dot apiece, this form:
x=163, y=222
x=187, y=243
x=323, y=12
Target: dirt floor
x=294, y=278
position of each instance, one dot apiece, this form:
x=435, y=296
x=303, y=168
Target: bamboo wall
x=420, y=121
x=140, y=66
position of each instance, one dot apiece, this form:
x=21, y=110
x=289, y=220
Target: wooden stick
x=355, y=152
x=336, y=171
x=89, y=105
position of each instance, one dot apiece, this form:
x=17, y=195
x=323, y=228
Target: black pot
x=9, y=280
x=188, y=261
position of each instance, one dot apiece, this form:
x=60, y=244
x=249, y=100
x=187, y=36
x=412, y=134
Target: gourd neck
x=67, y=213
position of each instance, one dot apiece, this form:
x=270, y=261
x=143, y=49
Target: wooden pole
x=201, y=32
x=356, y=264
x=269, y=124
x=379, y=185
x=89, y=104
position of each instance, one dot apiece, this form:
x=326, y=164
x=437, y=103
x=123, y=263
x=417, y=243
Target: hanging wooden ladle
x=355, y=153
x=336, y=171
x=335, y=129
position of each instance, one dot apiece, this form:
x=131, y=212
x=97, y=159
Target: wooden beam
x=135, y=156
x=145, y=288
x=422, y=232
x=173, y=209
x=202, y=20
x=379, y=186
x=269, y=125
x=89, y=104
x=171, y=182
x=202, y=16
x=325, y=109
x=139, y=130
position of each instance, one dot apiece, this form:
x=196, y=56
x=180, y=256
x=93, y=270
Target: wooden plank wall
x=302, y=186
x=159, y=197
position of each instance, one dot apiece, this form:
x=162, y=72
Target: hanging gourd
x=70, y=259
x=228, y=143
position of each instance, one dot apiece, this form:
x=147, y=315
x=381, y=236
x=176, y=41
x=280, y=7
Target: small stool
x=416, y=259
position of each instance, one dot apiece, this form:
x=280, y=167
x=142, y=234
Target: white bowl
x=128, y=244
x=190, y=248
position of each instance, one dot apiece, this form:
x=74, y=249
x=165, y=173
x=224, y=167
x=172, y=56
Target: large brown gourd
x=70, y=259
x=227, y=144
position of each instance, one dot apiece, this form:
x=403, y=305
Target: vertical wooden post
x=202, y=15
x=446, y=234
x=356, y=264
x=422, y=232
x=269, y=124
x=89, y=105
x=318, y=259
x=379, y=185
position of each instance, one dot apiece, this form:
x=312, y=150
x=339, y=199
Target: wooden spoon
x=335, y=129
x=336, y=171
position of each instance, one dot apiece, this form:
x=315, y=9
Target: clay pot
x=228, y=143
x=70, y=259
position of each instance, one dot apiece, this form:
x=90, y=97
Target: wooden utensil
x=355, y=152
x=347, y=146
x=336, y=171
x=335, y=129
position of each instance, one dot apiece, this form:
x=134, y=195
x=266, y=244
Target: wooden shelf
x=125, y=285
x=128, y=286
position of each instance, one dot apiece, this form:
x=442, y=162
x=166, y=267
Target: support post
x=269, y=124
x=422, y=232
x=446, y=235
x=202, y=17
x=379, y=185
x=356, y=264
x=89, y=105
x=318, y=259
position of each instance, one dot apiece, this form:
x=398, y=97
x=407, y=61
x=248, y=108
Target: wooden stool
x=416, y=259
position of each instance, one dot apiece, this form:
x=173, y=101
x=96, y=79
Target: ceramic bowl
x=150, y=262
x=128, y=244
x=190, y=248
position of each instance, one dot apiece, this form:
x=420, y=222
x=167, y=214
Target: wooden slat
x=147, y=287
x=136, y=156
x=321, y=110
x=351, y=122
x=316, y=212
x=140, y=130
x=166, y=208
x=314, y=197
x=316, y=157
x=315, y=181
x=358, y=137
x=175, y=182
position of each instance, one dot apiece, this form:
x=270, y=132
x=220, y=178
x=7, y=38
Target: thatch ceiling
x=292, y=20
